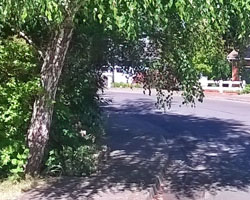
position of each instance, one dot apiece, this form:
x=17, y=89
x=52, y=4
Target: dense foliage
x=211, y=61
x=19, y=84
x=77, y=124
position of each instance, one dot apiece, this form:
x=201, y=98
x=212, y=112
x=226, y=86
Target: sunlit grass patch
x=10, y=190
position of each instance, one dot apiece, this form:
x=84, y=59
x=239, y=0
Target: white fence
x=222, y=86
x=116, y=77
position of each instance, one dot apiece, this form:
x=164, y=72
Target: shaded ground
x=137, y=155
x=207, y=156
x=208, y=151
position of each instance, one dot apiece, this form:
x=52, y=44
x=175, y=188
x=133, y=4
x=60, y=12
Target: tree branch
x=30, y=42
x=26, y=38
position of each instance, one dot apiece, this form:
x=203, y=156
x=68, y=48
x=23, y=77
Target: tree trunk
x=38, y=133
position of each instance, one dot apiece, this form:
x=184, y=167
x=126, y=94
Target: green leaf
x=14, y=161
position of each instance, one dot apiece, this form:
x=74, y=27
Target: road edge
x=157, y=187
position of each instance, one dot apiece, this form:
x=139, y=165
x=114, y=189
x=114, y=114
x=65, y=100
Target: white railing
x=222, y=86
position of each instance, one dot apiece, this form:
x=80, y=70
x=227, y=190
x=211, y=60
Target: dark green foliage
x=18, y=86
x=245, y=72
x=77, y=119
x=77, y=125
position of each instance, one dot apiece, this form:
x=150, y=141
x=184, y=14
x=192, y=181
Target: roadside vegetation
x=246, y=89
x=126, y=85
x=19, y=85
x=51, y=54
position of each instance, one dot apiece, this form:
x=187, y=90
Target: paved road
x=208, y=146
x=207, y=149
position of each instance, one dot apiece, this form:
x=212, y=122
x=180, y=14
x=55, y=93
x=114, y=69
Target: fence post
x=244, y=84
x=109, y=83
x=220, y=86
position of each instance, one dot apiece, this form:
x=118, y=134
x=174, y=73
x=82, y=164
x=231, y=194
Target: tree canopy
x=174, y=40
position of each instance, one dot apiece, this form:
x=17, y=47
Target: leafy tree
x=210, y=60
x=174, y=27
x=23, y=17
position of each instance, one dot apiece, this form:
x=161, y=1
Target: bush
x=121, y=85
x=18, y=86
x=246, y=89
x=79, y=161
x=77, y=120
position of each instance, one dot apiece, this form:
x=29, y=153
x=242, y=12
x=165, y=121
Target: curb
x=228, y=99
x=157, y=187
x=130, y=91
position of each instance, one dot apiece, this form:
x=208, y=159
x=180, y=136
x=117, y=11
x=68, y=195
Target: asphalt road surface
x=205, y=152
x=207, y=147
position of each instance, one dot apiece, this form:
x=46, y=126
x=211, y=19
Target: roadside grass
x=10, y=190
x=246, y=89
x=126, y=85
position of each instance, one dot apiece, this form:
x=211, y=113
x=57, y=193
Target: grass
x=10, y=190
x=126, y=85
x=121, y=85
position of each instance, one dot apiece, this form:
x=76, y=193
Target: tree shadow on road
x=207, y=155
x=203, y=154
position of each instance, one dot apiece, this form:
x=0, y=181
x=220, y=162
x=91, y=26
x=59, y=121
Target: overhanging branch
x=30, y=42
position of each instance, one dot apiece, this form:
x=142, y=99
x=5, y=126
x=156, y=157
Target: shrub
x=77, y=120
x=246, y=89
x=18, y=86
